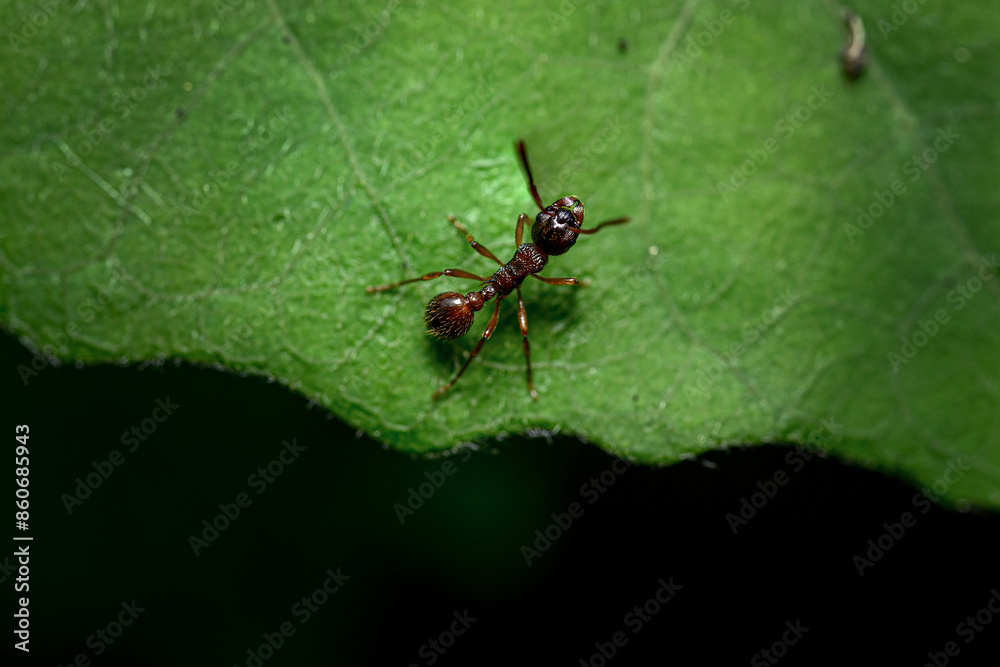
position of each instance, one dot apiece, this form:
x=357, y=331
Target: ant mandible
x=449, y=315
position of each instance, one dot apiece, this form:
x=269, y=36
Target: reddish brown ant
x=449, y=315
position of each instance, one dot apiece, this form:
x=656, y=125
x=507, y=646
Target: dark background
x=333, y=507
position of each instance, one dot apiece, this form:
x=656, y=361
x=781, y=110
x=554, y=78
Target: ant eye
x=566, y=217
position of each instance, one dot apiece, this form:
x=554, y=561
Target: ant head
x=556, y=226
x=449, y=315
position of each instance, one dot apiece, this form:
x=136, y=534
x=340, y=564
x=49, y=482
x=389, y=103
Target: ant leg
x=522, y=318
x=519, y=230
x=454, y=273
x=562, y=281
x=606, y=223
x=476, y=245
x=475, y=351
x=522, y=153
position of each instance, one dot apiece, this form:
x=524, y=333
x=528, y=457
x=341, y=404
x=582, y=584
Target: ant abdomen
x=449, y=315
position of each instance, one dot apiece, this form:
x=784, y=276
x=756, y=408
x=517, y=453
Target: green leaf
x=810, y=260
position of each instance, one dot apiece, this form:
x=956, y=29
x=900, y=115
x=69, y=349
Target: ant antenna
x=522, y=153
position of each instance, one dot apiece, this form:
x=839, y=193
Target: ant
x=449, y=315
